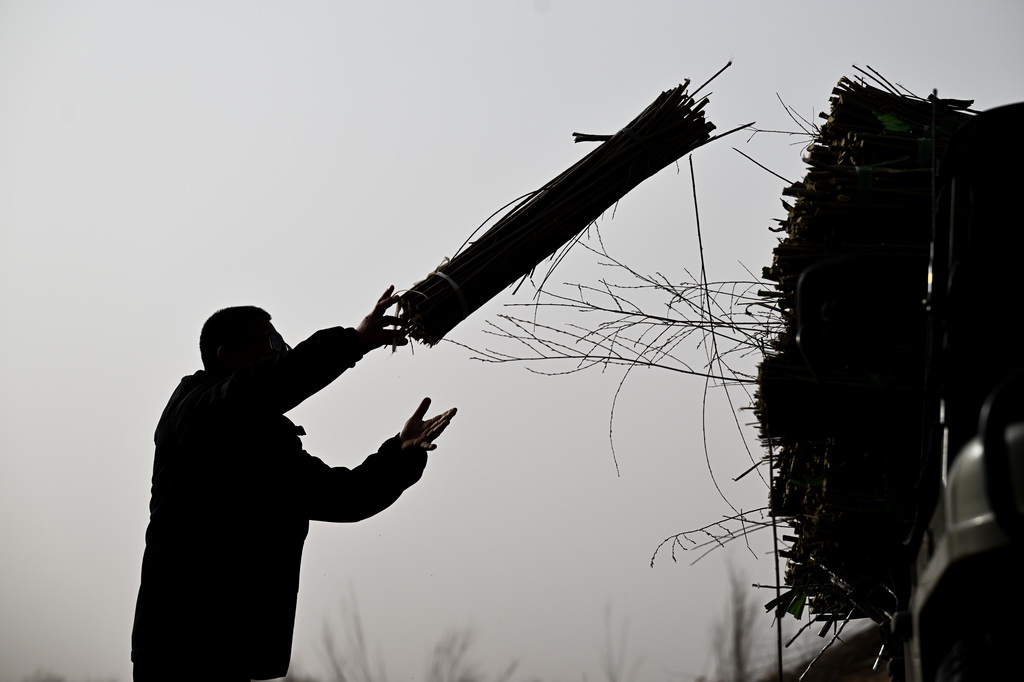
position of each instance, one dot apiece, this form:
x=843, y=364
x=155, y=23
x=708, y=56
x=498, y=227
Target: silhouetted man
x=233, y=493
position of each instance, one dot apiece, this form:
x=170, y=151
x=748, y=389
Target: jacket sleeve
x=279, y=383
x=340, y=494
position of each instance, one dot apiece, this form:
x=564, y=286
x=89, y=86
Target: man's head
x=236, y=337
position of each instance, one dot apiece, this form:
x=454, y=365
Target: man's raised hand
x=418, y=434
x=378, y=329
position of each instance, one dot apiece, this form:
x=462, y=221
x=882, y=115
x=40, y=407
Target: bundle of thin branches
x=556, y=214
x=846, y=436
x=632, y=325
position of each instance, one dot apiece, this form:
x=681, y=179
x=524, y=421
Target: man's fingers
x=383, y=305
x=386, y=300
x=420, y=433
x=422, y=409
x=442, y=420
x=382, y=331
x=388, y=321
x=436, y=426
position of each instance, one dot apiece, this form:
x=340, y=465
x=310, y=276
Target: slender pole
x=775, y=552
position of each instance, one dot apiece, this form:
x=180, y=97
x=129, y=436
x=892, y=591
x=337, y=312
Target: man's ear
x=225, y=355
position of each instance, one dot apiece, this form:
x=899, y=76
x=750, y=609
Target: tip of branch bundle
x=717, y=74
x=730, y=132
x=586, y=137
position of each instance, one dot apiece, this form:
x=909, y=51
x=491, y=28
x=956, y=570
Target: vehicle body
x=962, y=621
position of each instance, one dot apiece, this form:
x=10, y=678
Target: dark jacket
x=233, y=493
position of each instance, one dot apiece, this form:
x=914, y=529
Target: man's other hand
x=378, y=329
x=418, y=434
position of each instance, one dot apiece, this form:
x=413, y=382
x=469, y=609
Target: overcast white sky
x=161, y=160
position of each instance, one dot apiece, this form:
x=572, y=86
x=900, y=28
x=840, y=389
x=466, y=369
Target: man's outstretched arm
x=342, y=495
x=284, y=380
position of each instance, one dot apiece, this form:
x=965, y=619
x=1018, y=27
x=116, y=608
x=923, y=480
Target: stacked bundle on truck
x=840, y=391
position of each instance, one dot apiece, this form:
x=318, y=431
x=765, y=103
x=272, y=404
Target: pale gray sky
x=161, y=160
